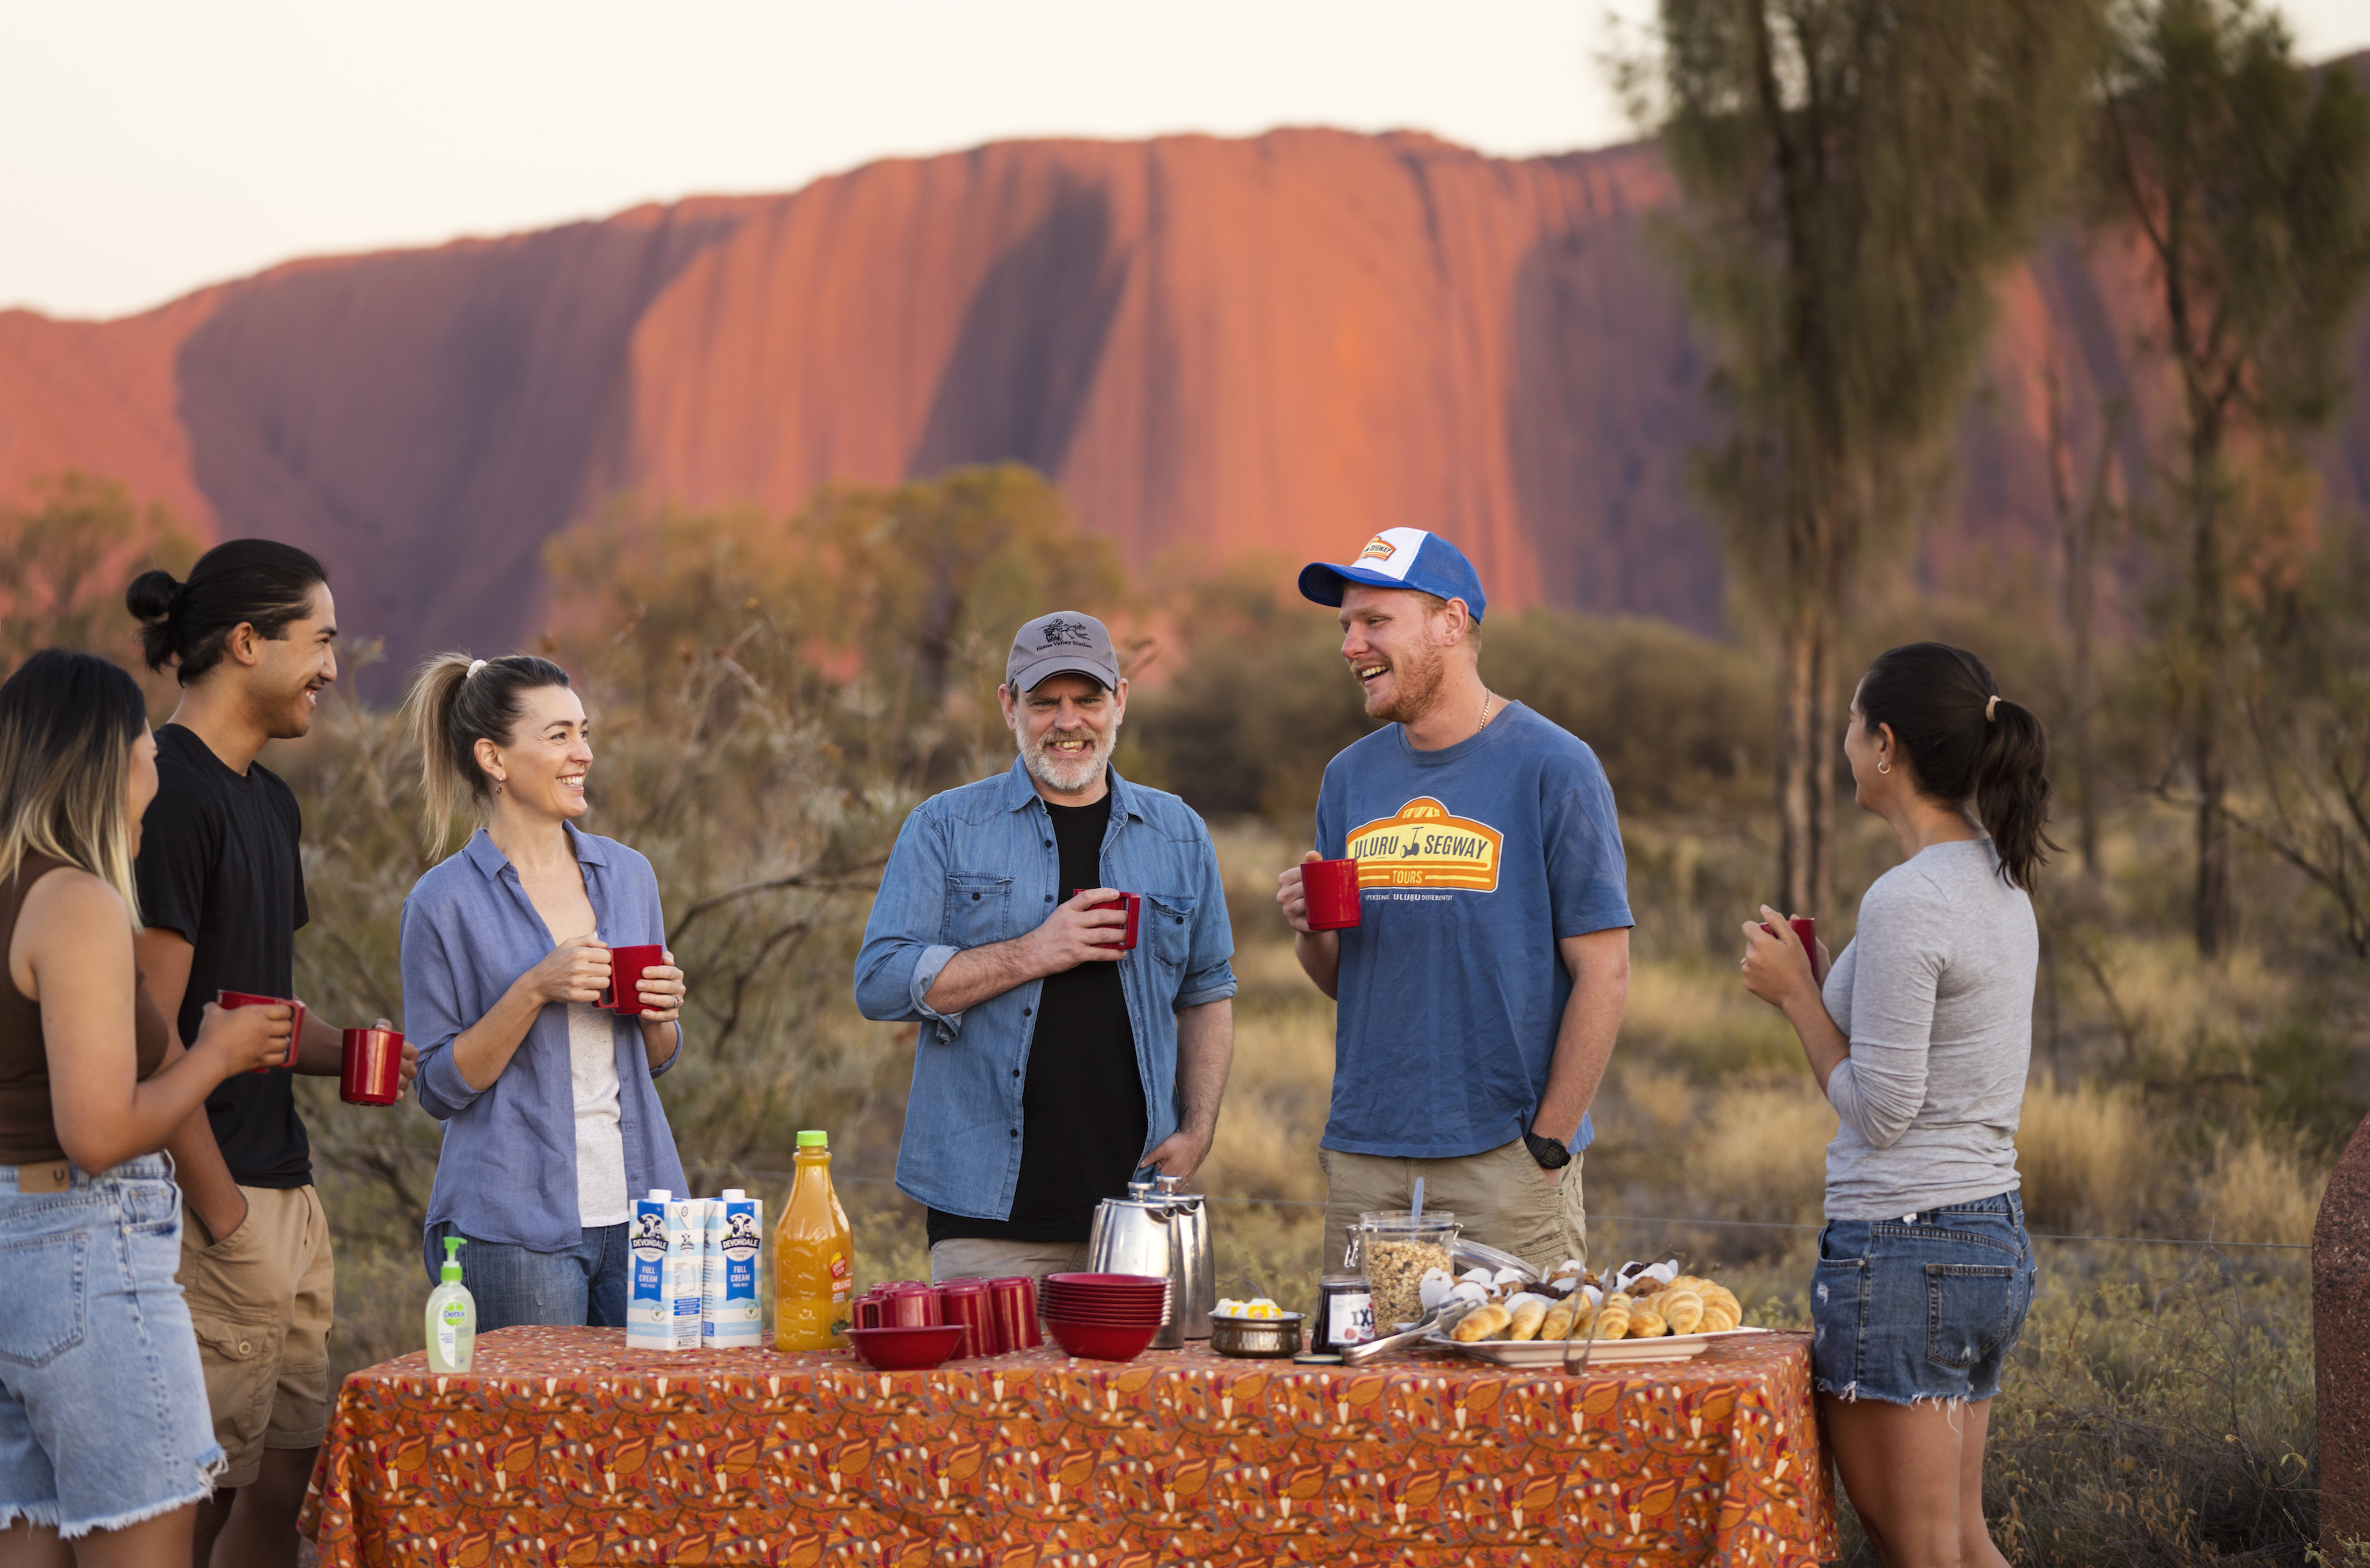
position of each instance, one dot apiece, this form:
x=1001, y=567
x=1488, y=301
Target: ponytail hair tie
x=1988, y=715
x=477, y=665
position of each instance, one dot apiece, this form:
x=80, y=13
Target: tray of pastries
x=1642, y=1313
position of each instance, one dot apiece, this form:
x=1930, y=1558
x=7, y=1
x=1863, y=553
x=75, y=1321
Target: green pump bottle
x=451, y=1316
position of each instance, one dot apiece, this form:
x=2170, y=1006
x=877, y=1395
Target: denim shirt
x=508, y=1170
x=978, y=865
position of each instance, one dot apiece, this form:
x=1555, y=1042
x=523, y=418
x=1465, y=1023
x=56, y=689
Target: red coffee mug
x=1332, y=890
x=1013, y=1300
x=912, y=1306
x=230, y=999
x=1131, y=903
x=1806, y=928
x=966, y=1302
x=623, y=996
x=370, y=1071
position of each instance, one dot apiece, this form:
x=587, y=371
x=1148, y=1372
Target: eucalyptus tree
x=2244, y=178
x=1857, y=174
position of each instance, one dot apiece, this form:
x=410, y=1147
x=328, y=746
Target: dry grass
x=2259, y=1191
x=2085, y=1158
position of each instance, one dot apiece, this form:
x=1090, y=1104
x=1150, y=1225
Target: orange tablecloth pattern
x=562, y=1447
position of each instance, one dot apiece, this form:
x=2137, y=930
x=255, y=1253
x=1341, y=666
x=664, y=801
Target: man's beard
x=1065, y=776
x=1415, y=689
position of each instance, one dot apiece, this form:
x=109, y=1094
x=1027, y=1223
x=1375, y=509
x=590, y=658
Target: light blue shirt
x=508, y=1170
x=978, y=865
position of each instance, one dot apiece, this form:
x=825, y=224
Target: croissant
x=1480, y=1324
x=1560, y=1318
x=1647, y=1324
x=1717, y=1319
x=1612, y=1319
x=1527, y=1321
x=1583, y=1314
x=1683, y=1310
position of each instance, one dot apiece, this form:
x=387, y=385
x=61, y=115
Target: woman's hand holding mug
x=662, y=993
x=1776, y=966
x=242, y=1039
x=577, y=970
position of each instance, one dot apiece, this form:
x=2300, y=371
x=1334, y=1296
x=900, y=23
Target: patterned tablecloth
x=562, y=1447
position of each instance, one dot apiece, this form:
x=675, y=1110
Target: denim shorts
x=103, y=1420
x=1925, y=1306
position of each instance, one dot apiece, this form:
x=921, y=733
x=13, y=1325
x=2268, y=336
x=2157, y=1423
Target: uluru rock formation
x=1284, y=343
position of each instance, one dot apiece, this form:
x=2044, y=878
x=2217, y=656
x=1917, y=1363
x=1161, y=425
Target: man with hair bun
x=250, y=636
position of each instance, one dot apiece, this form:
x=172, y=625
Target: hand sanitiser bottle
x=451, y=1316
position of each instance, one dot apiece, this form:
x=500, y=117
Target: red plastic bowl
x=911, y=1350
x=1098, y=1342
x=1102, y=1312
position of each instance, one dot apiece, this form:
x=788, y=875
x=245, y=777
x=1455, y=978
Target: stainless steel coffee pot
x=1167, y=1236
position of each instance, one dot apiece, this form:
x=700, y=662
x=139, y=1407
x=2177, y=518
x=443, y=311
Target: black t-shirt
x=218, y=863
x=1082, y=1122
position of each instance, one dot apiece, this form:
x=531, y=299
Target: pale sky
x=149, y=146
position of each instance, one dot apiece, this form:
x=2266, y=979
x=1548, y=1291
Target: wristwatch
x=1551, y=1155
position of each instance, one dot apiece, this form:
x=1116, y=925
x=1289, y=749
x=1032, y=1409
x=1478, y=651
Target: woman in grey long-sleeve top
x=1920, y=1037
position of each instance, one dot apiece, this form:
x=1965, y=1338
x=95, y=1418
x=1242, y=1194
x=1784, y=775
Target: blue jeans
x=514, y=1286
x=103, y=1418
x=1925, y=1306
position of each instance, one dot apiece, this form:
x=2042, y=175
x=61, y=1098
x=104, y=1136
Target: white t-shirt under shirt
x=600, y=1194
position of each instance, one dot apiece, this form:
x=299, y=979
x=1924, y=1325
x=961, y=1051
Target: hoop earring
x=1881, y=767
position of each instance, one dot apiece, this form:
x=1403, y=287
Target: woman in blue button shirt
x=552, y=1120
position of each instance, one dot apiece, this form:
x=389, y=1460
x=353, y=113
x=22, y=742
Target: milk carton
x=730, y=1313
x=683, y=1226
x=649, y=1307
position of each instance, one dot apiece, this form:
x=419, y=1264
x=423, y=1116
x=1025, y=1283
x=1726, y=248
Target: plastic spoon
x=1417, y=1213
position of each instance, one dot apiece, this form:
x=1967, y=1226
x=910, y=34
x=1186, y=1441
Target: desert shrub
x=1262, y=700
x=2158, y=1413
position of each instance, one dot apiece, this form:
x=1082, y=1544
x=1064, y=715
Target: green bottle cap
x=814, y=1140
x=453, y=1245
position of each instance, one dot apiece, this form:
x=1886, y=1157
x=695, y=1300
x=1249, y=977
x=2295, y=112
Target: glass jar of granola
x=1394, y=1247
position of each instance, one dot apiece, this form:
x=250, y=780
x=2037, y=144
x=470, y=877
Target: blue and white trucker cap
x=1400, y=558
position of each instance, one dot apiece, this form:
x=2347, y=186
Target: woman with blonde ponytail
x=505, y=963
x=1920, y=1036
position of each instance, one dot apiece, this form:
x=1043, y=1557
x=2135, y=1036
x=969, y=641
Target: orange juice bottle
x=814, y=1257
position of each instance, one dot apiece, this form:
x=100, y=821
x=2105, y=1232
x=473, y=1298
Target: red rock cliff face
x=1288, y=343
x=1283, y=343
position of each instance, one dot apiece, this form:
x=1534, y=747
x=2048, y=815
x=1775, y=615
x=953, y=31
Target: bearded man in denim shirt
x=1050, y=1064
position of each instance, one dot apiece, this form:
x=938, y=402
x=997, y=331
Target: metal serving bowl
x=1277, y=1337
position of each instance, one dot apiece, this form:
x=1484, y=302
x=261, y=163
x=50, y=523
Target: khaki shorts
x=980, y=1257
x=262, y=1300
x=1500, y=1197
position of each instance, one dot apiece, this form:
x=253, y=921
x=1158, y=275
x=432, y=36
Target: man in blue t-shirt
x=1479, y=995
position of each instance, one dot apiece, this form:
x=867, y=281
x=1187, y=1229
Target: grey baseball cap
x=1063, y=643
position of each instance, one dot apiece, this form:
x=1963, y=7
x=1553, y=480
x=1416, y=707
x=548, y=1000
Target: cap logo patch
x=1065, y=634
x=1378, y=549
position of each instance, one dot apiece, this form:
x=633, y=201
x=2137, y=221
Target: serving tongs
x=1440, y=1319
x=1627, y=1272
